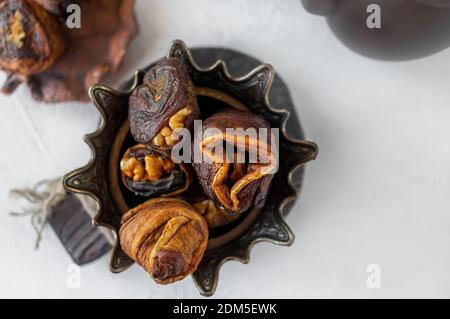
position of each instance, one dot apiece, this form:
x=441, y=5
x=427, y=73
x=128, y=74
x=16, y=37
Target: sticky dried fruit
x=151, y=172
x=214, y=216
x=238, y=177
x=42, y=46
x=164, y=102
x=166, y=236
x=30, y=37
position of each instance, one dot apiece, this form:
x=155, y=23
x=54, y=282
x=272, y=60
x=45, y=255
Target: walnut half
x=150, y=172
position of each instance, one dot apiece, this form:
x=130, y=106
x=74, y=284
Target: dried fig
x=164, y=102
x=166, y=236
x=214, y=216
x=30, y=37
x=150, y=172
x=240, y=176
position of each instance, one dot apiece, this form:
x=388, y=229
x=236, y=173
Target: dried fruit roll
x=150, y=172
x=166, y=236
x=164, y=102
x=234, y=182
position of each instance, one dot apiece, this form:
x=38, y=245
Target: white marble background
x=378, y=194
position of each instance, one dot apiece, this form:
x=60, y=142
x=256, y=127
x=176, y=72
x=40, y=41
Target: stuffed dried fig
x=164, y=102
x=166, y=236
x=214, y=216
x=239, y=177
x=30, y=37
x=60, y=48
x=151, y=172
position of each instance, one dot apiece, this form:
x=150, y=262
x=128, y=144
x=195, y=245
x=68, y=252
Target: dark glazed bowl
x=215, y=89
x=410, y=29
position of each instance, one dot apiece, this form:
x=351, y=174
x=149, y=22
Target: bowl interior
x=210, y=101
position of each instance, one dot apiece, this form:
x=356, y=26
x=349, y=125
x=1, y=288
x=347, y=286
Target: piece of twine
x=41, y=198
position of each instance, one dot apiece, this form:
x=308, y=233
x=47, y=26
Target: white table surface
x=378, y=194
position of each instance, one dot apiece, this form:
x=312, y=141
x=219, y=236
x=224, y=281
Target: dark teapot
x=408, y=29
